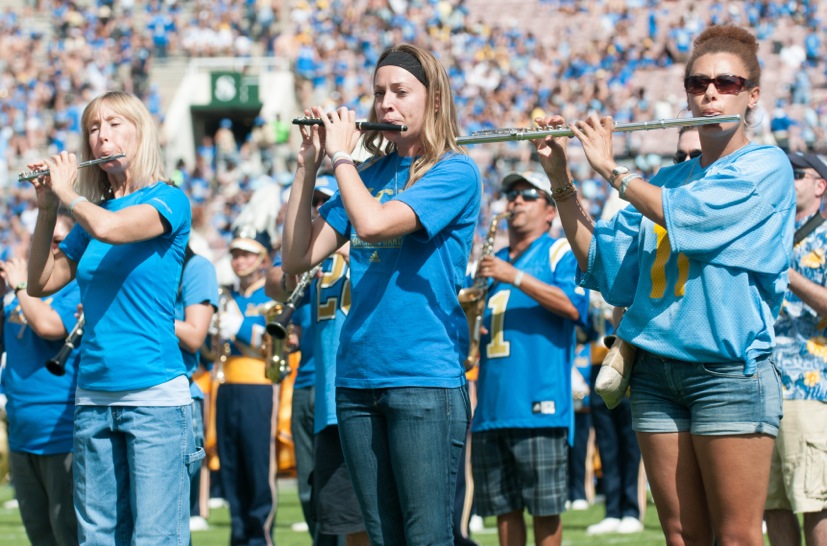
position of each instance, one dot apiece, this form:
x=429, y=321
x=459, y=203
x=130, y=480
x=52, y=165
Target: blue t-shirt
x=40, y=405
x=128, y=293
x=330, y=301
x=406, y=327
x=198, y=285
x=709, y=286
x=527, y=354
x=801, y=333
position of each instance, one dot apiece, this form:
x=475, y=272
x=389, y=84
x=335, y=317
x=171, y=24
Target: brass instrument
x=31, y=175
x=275, y=349
x=507, y=135
x=361, y=125
x=472, y=299
x=57, y=364
x=277, y=327
x=218, y=352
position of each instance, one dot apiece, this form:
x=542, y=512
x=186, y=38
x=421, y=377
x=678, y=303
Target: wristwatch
x=20, y=286
x=617, y=171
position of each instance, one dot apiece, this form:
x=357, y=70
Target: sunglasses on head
x=726, y=84
x=681, y=156
x=529, y=194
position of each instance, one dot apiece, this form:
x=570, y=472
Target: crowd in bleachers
x=604, y=56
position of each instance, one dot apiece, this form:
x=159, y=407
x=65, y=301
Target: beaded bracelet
x=564, y=196
x=569, y=186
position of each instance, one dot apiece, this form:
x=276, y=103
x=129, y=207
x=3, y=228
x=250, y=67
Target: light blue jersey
x=406, y=327
x=128, y=293
x=527, y=354
x=330, y=301
x=198, y=285
x=709, y=286
x=40, y=405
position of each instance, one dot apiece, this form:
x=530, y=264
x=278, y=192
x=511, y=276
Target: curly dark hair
x=728, y=39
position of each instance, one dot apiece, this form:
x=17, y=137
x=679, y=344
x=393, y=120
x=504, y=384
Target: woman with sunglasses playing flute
x=699, y=259
x=134, y=444
x=409, y=214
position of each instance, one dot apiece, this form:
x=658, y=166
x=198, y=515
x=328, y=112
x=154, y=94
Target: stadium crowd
x=57, y=55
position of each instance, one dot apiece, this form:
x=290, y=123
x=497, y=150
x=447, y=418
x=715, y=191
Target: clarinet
x=57, y=364
x=278, y=326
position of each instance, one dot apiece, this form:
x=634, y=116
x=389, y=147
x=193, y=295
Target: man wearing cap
x=333, y=509
x=798, y=482
x=245, y=408
x=524, y=415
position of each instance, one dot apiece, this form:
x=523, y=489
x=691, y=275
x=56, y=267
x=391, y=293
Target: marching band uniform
x=246, y=413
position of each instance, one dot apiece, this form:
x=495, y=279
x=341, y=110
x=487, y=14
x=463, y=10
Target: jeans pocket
x=732, y=370
x=815, y=470
x=193, y=461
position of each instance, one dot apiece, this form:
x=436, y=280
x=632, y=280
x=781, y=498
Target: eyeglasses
x=725, y=83
x=529, y=194
x=681, y=156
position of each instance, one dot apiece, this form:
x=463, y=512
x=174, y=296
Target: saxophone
x=472, y=299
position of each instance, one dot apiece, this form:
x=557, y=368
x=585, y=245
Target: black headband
x=407, y=61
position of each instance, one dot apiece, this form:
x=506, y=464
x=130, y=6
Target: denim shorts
x=705, y=398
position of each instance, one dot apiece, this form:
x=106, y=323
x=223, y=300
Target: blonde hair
x=145, y=168
x=440, y=131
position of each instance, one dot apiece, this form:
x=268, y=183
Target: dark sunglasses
x=681, y=156
x=529, y=194
x=725, y=83
x=798, y=174
x=319, y=201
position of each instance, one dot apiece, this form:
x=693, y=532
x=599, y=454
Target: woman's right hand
x=552, y=150
x=46, y=198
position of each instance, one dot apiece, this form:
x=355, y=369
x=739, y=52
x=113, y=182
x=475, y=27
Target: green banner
x=233, y=89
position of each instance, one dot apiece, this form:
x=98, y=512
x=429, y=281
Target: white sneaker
x=197, y=523
x=299, y=527
x=579, y=504
x=216, y=502
x=476, y=524
x=629, y=525
x=608, y=525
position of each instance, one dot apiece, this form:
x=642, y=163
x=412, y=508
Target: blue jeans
x=132, y=474
x=403, y=447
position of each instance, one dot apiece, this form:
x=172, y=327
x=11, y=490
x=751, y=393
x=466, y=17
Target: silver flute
x=31, y=175
x=507, y=135
x=361, y=125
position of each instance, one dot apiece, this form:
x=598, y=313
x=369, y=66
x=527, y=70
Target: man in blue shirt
x=524, y=415
x=797, y=481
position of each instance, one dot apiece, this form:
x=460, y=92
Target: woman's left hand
x=63, y=171
x=341, y=134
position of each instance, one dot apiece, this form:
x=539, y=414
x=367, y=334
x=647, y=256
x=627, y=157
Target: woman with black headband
x=409, y=214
